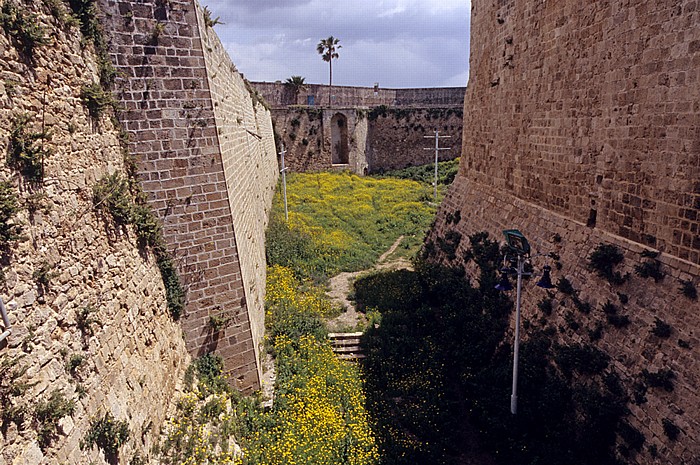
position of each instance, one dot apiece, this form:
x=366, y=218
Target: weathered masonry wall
x=385, y=127
x=580, y=128
x=202, y=152
x=397, y=137
x=126, y=357
x=379, y=139
x=277, y=94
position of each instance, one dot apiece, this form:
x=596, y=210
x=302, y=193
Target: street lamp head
x=517, y=241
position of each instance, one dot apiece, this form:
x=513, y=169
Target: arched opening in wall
x=339, y=139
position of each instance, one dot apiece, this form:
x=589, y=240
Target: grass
x=344, y=222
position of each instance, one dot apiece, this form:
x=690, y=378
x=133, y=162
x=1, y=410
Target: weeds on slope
x=343, y=222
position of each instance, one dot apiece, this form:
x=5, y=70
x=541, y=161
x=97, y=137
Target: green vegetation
x=25, y=153
x=95, y=99
x=651, y=267
x=12, y=387
x=208, y=20
x=122, y=199
x=43, y=275
x=48, y=413
x=442, y=354
x=688, y=289
x=108, y=434
x=671, y=430
x=318, y=416
x=9, y=229
x=206, y=418
x=661, y=329
x=604, y=259
x=85, y=12
x=23, y=28
x=344, y=222
x=447, y=170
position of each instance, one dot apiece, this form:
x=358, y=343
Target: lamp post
x=517, y=243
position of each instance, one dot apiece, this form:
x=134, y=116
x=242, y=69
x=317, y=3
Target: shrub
x=447, y=170
x=390, y=290
x=545, y=306
x=662, y=378
x=661, y=329
x=208, y=21
x=596, y=333
x=95, y=99
x=43, y=275
x=24, y=28
x=604, y=259
x=619, y=321
x=582, y=359
x=631, y=435
x=209, y=369
x=9, y=229
x=48, y=413
x=112, y=195
x=25, y=154
x=84, y=320
x=688, y=289
x=670, y=429
x=74, y=363
x=450, y=243
x=108, y=434
x=609, y=308
x=650, y=269
x=564, y=286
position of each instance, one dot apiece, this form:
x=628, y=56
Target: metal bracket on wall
x=5, y=321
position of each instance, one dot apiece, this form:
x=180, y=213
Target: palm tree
x=295, y=84
x=328, y=49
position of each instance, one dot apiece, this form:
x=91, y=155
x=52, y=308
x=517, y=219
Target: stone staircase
x=347, y=345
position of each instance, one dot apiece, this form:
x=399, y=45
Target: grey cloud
x=278, y=39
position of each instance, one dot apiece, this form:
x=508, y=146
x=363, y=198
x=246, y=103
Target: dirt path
x=341, y=285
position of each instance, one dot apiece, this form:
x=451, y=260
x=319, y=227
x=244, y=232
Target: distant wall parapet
x=277, y=94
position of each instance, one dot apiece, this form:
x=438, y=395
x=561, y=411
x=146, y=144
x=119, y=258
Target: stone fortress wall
x=127, y=357
x=87, y=305
x=581, y=127
x=206, y=157
x=366, y=130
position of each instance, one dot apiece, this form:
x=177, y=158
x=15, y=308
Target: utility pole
x=437, y=149
x=284, y=183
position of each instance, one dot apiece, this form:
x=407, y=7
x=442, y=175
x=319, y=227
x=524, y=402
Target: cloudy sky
x=397, y=43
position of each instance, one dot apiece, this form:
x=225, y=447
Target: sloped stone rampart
x=205, y=155
x=580, y=129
